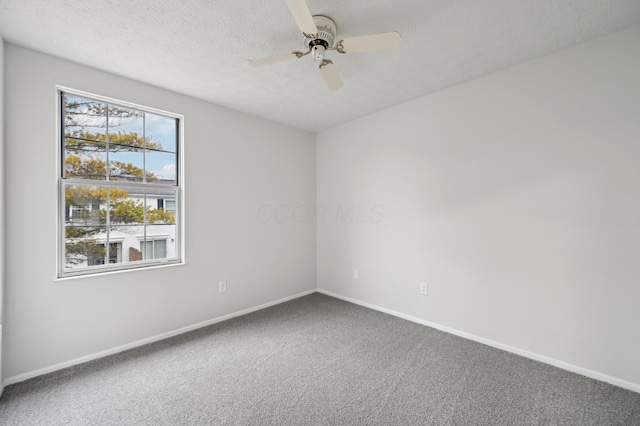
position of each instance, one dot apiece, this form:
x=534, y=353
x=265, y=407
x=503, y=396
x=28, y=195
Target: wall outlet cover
x=424, y=288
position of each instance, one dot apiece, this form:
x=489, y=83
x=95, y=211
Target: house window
x=76, y=211
x=99, y=255
x=156, y=249
x=119, y=178
x=169, y=205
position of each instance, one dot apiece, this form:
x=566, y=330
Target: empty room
x=315, y=212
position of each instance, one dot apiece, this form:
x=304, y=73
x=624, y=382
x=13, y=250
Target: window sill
x=79, y=275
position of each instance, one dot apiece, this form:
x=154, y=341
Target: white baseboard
x=527, y=354
x=91, y=357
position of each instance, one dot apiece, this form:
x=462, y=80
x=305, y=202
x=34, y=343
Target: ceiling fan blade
x=275, y=59
x=330, y=75
x=370, y=43
x=301, y=14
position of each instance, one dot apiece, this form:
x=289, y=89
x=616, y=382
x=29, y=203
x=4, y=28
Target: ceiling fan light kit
x=319, y=37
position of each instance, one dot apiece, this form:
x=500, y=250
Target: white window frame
x=179, y=258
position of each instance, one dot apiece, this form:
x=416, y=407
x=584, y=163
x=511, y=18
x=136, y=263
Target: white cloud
x=160, y=125
x=168, y=172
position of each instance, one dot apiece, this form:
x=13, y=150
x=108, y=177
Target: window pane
x=162, y=166
x=113, y=256
x=126, y=128
x=127, y=238
x=84, y=159
x=83, y=205
x=85, y=119
x=126, y=208
x=85, y=137
x=127, y=166
x=126, y=144
x=82, y=246
x=161, y=130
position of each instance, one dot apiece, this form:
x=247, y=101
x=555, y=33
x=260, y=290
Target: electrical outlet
x=356, y=274
x=424, y=288
x=222, y=286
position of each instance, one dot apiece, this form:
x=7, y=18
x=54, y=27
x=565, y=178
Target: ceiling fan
x=320, y=36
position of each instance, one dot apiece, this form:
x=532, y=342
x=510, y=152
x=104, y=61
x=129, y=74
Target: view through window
x=119, y=186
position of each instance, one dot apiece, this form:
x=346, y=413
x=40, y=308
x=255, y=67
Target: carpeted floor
x=316, y=361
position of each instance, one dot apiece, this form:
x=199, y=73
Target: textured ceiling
x=201, y=47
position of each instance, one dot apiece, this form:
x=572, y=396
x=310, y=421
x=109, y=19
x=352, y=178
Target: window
x=100, y=257
x=119, y=185
x=169, y=205
x=156, y=249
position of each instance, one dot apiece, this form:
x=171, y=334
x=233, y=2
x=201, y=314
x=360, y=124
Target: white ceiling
x=201, y=47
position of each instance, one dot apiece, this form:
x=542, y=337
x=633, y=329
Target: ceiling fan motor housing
x=326, y=37
x=326, y=34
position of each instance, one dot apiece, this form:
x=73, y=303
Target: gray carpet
x=316, y=361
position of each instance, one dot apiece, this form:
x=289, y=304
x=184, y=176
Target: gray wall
x=235, y=165
x=515, y=196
